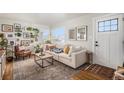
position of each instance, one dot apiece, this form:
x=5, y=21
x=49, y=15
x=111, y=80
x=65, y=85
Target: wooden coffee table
x=43, y=58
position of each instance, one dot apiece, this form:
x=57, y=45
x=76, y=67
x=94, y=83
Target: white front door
x=108, y=46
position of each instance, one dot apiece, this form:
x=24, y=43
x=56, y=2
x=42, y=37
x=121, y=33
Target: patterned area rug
x=29, y=70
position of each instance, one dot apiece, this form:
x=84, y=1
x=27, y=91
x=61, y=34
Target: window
x=58, y=35
x=108, y=25
x=46, y=35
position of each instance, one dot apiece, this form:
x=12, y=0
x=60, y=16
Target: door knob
x=96, y=45
x=96, y=41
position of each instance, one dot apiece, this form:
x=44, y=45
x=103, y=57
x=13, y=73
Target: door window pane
x=107, y=23
x=101, y=23
x=114, y=22
x=107, y=28
x=114, y=28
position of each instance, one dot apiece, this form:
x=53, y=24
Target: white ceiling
x=42, y=18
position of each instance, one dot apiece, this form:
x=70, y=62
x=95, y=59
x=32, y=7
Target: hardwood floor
x=8, y=75
x=95, y=72
x=86, y=75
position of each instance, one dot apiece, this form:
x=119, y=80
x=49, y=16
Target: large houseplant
x=3, y=41
x=37, y=48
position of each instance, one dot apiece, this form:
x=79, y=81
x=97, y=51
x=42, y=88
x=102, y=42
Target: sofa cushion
x=63, y=55
x=76, y=48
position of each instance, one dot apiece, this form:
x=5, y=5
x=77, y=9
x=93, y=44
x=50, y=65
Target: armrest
x=79, y=54
x=79, y=58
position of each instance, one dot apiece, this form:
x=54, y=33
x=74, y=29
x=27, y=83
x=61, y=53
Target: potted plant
x=3, y=41
x=9, y=56
x=37, y=49
x=18, y=34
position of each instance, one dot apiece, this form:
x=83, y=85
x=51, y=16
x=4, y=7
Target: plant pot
x=9, y=59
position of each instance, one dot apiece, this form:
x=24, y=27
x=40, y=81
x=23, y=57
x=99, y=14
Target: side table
x=89, y=56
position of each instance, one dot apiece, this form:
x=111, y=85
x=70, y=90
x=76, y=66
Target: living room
x=68, y=41
x=61, y=46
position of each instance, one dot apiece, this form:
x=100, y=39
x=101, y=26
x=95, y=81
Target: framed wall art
x=16, y=25
x=82, y=33
x=7, y=28
x=72, y=34
x=11, y=42
x=25, y=42
x=10, y=35
x=26, y=35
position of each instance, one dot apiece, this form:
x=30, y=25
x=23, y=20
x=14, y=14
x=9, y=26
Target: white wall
x=42, y=28
x=83, y=20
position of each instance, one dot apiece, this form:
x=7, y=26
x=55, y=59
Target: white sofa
x=75, y=60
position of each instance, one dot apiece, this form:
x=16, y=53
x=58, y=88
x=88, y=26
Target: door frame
x=121, y=28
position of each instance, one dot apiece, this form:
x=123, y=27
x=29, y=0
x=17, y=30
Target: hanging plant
x=35, y=29
x=34, y=32
x=18, y=34
x=29, y=28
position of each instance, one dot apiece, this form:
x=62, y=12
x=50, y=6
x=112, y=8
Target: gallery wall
x=24, y=25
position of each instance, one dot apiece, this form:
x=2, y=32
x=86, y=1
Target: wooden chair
x=119, y=73
x=22, y=53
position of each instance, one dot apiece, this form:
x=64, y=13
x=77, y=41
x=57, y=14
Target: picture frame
x=72, y=34
x=11, y=42
x=7, y=28
x=17, y=25
x=9, y=35
x=82, y=32
x=17, y=39
x=26, y=35
x=32, y=41
x=25, y=42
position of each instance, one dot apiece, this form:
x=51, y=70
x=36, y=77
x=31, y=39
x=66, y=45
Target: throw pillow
x=70, y=51
x=66, y=49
